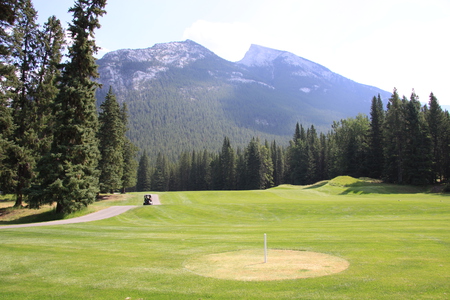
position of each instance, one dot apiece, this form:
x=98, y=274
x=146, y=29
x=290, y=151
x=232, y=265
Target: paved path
x=106, y=213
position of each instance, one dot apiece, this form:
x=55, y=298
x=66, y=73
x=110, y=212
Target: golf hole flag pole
x=265, y=248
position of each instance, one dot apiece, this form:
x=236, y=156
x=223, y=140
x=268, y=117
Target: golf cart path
x=106, y=213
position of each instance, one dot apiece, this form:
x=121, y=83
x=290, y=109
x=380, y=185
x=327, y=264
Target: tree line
x=403, y=143
x=54, y=145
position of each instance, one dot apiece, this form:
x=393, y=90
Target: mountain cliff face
x=181, y=96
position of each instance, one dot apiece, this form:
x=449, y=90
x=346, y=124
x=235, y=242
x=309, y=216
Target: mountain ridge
x=186, y=88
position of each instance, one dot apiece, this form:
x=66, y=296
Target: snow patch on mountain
x=238, y=77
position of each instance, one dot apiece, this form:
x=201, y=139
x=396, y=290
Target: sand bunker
x=248, y=265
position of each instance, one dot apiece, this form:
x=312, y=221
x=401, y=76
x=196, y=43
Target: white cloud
x=227, y=40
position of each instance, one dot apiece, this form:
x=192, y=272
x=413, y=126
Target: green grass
x=397, y=244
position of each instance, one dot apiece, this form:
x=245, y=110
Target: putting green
x=249, y=265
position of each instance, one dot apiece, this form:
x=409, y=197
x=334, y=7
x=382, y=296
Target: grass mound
x=344, y=181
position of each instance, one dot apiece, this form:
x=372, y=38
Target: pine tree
x=312, y=152
x=228, y=165
x=111, y=137
x=376, y=155
x=417, y=159
x=297, y=157
x=130, y=163
x=259, y=166
x=394, y=139
x=436, y=123
x=278, y=163
x=8, y=16
x=144, y=174
x=184, y=172
x=160, y=177
x=70, y=177
x=25, y=45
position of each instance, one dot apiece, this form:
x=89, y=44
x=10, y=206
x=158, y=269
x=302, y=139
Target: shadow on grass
x=366, y=187
x=317, y=185
x=361, y=188
x=45, y=216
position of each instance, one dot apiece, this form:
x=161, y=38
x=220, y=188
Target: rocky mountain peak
x=177, y=54
x=258, y=56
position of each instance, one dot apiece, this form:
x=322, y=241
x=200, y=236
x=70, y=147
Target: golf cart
x=148, y=200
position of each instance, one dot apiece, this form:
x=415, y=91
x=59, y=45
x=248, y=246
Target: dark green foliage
x=144, y=174
x=161, y=174
x=7, y=69
x=394, y=138
x=130, y=165
x=111, y=143
x=259, y=166
x=438, y=129
x=25, y=55
x=193, y=107
x=36, y=54
x=417, y=160
x=376, y=155
x=69, y=174
x=228, y=166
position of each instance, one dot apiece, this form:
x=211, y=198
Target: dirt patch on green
x=249, y=265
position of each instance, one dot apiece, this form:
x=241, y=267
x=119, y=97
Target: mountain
x=181, y=96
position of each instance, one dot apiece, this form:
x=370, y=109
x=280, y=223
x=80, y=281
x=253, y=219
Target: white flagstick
x=265, y=248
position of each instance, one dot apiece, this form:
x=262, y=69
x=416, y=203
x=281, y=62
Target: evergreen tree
x=259, y=166
x=394, y=138
x=184, y=172
x=161, y=175
x=8, y=17
x=25, y=45
x=129, y=154
x=278, y=163
x=130, y=165
x=144, y=174
x=111, y=137
x=227, y=165
x=69, y=172
x=376, y=155
x=312, y=152
x=417, y=159
x=241, y=170
x=435, y=117
x=297, y=157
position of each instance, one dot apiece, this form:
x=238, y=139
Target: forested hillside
x=404, y=143
x=183, y=97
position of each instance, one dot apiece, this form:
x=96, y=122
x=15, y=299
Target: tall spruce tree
x=435, y=117
x=144, y=174
x=417, y=154
x=161, y=174
x=69, y=172
x=376, y=154
x=25, y=54
x=228, y=165
x=259, y=167
x=130, y=165
x=111, y=137
x=394, y=139
x=130, y=150
x=8, y=15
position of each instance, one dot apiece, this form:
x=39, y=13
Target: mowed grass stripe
x=397, y=246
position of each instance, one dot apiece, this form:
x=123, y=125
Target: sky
x=388, y=44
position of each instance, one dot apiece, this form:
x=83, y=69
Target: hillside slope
x=181, y=96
